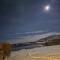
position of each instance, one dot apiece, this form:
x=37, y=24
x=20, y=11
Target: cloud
x=33, y=32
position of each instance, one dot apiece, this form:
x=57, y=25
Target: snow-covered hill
x=31, y=38
x=47, y=40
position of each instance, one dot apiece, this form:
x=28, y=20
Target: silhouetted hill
x=47, y=41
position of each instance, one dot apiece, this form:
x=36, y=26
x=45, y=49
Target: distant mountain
x=31, y=38
x=47, y=41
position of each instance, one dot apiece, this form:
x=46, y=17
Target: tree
x=6, y=50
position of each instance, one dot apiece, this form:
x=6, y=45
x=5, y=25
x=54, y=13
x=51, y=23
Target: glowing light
x=47, y=8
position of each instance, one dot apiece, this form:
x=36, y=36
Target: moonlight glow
x=47, y=8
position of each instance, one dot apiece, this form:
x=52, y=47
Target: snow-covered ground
x=42, y=53
x=37, y=53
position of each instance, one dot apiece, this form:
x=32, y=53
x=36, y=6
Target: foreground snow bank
x=43, y=53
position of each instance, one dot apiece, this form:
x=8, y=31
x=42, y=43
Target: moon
x=47, y=8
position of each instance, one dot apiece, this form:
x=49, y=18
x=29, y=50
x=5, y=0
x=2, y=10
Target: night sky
x=21, y=16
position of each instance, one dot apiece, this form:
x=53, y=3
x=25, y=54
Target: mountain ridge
x=47, y=41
